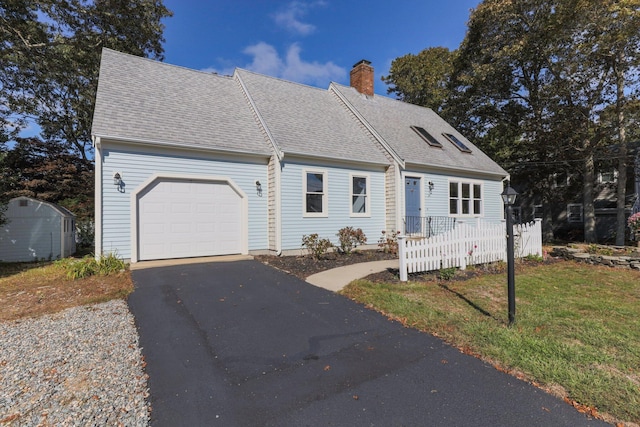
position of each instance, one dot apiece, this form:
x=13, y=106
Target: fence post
x=462, y=236
x=402, y=255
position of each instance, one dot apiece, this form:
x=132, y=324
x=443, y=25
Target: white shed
x=36, y=230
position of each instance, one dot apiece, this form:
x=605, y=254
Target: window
x=359, y=195
x=607, y=177
x=465, y=198
x=427, y=136
x=456, y=141
x=315, y=193
x=517, y=214
x=560, y=179
x=537, y=211
x=574, y=212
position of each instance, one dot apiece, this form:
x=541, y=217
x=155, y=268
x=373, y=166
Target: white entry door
x=181, y=219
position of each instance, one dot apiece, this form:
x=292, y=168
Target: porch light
x=117, y=179
x=259, y=188
x=509, y=198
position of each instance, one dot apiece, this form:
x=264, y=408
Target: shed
x=36, y=230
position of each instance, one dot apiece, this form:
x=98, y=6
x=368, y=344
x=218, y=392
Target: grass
x=34, y=289
x=577, y=331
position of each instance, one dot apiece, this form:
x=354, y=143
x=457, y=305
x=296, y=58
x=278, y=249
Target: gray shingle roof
x=392, y=120
x=146, y=100
x=309, y=121
x=139, y=99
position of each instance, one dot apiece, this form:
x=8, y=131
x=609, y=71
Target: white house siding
x=137, y=163
x=436, y=202
x=295, y=225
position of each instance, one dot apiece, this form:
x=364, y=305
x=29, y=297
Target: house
x=192, y=164
x=567, y=211
x=36, y=230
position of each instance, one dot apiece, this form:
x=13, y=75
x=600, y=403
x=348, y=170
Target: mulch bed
x=305, y=265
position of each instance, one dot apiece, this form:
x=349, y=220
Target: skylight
x=459, y=144
x=426, y=136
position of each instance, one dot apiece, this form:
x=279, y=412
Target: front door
x=412, y=205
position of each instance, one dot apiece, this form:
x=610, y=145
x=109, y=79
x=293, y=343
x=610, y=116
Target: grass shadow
x=8, y=269
x=469, y=302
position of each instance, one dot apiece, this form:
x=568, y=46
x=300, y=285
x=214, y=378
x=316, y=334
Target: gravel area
x=79, y=367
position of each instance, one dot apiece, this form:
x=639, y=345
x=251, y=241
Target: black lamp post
x=509, y=198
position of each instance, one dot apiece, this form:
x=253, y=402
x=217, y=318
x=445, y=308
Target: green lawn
x=577, y=330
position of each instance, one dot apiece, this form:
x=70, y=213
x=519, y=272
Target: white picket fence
x=468, y=243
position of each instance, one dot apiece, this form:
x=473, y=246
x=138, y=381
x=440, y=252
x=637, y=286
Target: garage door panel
x=179, y=219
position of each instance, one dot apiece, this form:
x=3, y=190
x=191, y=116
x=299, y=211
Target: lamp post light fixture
x=509, y=198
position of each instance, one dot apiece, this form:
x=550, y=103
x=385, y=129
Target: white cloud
x=291, y=17
x=266, y=60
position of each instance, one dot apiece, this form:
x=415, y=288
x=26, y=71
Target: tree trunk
x=587, y=197
x=621, y=193
x=547, y=220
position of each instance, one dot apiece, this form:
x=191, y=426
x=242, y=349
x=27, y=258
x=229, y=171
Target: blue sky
x=309, y=41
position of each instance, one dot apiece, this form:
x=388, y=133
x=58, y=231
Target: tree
x=50, y=55
x=530, y=84
x=48, y=172
x=422, y=79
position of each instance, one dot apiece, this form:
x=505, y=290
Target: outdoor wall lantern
x=117, y=179
x=259, y=188
x=509, y=198
x=431, y=185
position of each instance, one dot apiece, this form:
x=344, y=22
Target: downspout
x=98, y=196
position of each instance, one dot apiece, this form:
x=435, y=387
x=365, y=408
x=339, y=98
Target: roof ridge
x=166, y=64
x=239, y=69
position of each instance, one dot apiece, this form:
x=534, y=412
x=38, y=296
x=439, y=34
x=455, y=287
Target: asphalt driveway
x=242, y=344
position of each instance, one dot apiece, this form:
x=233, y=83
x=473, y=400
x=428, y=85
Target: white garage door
x=180, y=219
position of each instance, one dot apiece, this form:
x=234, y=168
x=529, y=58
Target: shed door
x=180, y=219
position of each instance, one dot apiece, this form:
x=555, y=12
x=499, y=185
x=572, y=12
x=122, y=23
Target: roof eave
x=169, y=144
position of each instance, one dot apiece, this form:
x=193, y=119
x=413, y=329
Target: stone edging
x=609, y=261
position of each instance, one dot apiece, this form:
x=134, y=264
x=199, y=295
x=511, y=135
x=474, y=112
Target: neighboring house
x=191, y=164
x=36, y=230
x=567, y=211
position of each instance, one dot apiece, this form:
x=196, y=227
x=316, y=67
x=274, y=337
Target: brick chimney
x=362, y=77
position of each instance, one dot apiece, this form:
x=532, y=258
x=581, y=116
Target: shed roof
x=62, y=211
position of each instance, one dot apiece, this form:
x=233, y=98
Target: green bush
x=447, y=273
x=89, y=266
x=350, y=238
x=317, y=247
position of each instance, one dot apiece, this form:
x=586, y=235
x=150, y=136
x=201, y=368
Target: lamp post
x=509, y=198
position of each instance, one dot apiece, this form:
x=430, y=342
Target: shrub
x=350, y=239
x=388, y=243
x=447, y=273
x=89, y=266
x=317, y=247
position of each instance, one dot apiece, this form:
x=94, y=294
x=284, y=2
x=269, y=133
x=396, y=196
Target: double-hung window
x=315, y=193
x=359, y=195
x=465, y=198
x=574, y=212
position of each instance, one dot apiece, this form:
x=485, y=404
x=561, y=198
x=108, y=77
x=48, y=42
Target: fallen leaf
x=326, y=368
x=355, y=397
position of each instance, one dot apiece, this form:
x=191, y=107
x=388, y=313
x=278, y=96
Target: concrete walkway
x=337, y=278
